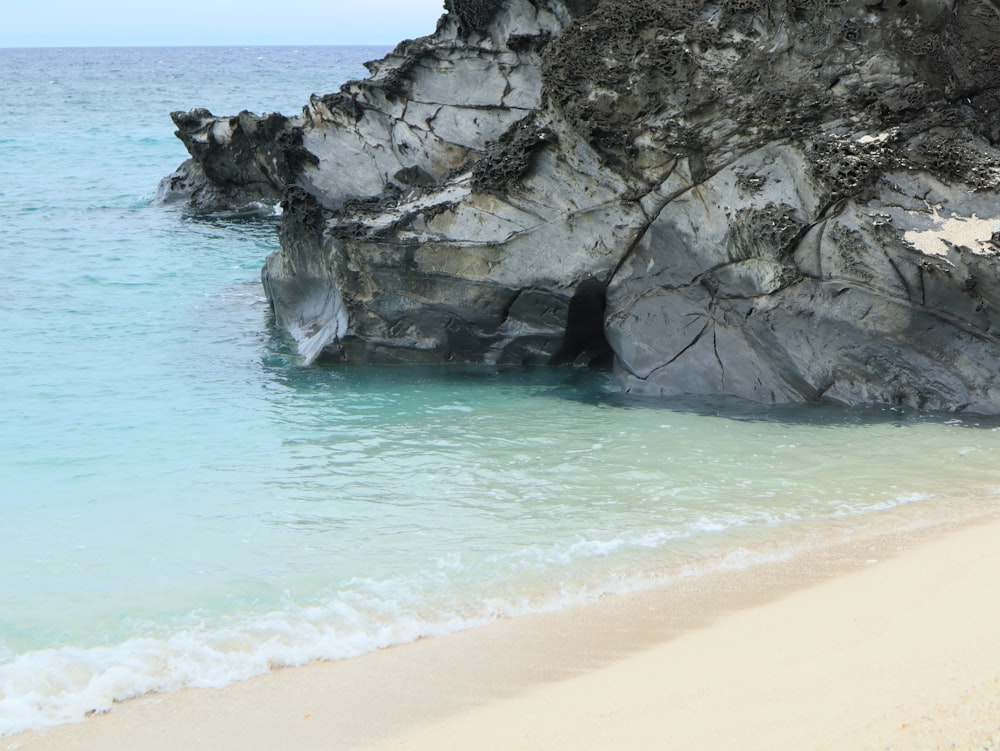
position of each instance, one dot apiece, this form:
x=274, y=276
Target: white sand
x=899, y=653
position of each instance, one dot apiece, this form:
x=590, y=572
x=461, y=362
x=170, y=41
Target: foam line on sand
x=893, y=644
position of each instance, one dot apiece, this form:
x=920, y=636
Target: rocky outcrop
x=783, y=201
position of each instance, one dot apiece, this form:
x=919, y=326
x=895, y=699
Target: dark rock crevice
x=584, y=342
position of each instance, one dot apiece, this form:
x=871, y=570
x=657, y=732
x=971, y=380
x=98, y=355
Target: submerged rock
x=782, y=201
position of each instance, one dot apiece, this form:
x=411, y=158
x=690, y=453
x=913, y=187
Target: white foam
x=859, y=509
x=56, y=686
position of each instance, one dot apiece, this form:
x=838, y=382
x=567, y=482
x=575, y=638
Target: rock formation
x=782, y=201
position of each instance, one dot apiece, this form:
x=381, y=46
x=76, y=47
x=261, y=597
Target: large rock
x=782, y=201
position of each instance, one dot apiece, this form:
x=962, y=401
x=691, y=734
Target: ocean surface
x=183, y=503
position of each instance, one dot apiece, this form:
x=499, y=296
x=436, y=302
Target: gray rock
x=238, y=164
x=458, y=273
x=781, y=201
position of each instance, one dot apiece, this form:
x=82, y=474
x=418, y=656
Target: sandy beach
x=889, y=644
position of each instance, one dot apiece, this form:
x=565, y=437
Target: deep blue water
x=183, y=503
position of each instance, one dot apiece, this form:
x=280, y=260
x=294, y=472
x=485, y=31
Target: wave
x=63, y=685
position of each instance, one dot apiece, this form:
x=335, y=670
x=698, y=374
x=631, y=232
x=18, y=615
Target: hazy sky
x=99, y=23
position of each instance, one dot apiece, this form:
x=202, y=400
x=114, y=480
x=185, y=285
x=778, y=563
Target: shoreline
x=888, y=639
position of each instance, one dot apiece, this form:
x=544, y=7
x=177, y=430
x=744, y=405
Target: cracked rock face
x=782, y=201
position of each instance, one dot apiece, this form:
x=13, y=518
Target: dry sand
x=888, y=645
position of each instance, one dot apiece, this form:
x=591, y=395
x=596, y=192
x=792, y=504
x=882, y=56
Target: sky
x=113, y=23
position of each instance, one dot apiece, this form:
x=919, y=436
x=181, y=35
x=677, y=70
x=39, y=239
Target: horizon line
x=191, y=45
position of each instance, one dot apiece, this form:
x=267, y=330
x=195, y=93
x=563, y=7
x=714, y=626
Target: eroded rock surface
x=783, y=201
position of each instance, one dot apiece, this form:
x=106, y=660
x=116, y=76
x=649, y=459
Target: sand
x=893, y=644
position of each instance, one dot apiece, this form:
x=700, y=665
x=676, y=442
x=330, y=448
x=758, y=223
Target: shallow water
x=185, y=504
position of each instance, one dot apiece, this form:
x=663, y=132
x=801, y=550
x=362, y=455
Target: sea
x=184, y=503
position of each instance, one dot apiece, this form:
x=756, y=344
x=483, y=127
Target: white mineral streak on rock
x=955, y=231
x=320, y=326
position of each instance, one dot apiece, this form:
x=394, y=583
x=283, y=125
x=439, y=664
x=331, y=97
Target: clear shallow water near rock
x=184, y=504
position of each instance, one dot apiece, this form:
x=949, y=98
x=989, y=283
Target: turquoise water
x=182, y=503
